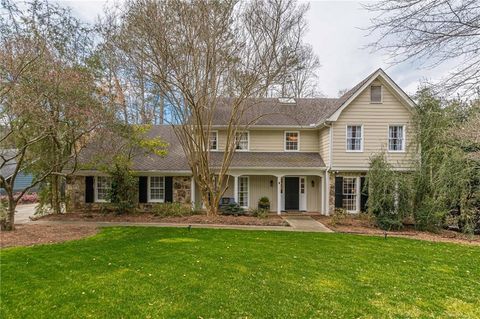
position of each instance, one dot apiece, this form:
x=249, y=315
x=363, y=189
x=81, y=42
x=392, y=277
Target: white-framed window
x=292, y=141
x=242, y=139
x=156, y=189
x=354, y=138
x=213, y=141
x=396, y=138
x=350, y=193
x=103, y=184
x=302, y=185
x=376, y=94
x=243, y=191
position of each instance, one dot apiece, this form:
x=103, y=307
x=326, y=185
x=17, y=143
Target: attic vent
x=286, y=100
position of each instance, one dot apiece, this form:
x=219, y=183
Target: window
x=156, y=189
x=350, y=193
x=213, y=141
x=242, y=141
x=291, y=141
x=354, y=138
x=375, y=94
x=396, y=138
x=102, y=187
x=243, y=191
x=302, y=185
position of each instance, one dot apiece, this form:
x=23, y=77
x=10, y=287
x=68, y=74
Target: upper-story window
x=213, y=141
x=355, y=138
x=102, y=187
x=292, y=140
x=376, y=94
x=242, y=141
x=396, y=138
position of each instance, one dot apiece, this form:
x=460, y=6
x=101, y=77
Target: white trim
x=302, y=198
x=330, y=148
x=381, y=93
x=149, y=199
x=248, y=190
x=218, y=142
x=95, y=189
x=285, y=141
x=404, y=141
x=248, y=141
x=362, y=140
x=407, y=101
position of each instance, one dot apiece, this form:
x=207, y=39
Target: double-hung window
x=156, y=189
x=213, y=141
x=292, y=141
x=241, y=140
x=102, y=187
x=350, y=193
x=243, y=191
x=396, y=138
x=354, y=138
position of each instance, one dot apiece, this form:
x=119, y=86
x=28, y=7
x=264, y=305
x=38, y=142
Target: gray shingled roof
x=97, y=153
x=9, y=168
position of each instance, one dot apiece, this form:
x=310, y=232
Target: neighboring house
x=305, y=155
x=22, y=180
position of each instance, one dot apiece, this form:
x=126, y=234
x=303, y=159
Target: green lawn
x=139, y=272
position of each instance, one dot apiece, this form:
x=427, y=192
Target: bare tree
x=432, y=32
x=199, y=52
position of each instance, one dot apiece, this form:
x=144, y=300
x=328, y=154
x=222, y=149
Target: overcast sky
x=337, y=38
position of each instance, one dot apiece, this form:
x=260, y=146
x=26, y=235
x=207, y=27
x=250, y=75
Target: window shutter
x=375, y=94
x=338, y=192
x=363, y=195
x=89, y=193
x=168, y=189
x=142, y=189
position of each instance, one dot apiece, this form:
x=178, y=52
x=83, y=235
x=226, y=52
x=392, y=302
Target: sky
x=335, y=32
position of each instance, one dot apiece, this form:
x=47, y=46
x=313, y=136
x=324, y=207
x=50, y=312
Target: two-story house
x=306, y=155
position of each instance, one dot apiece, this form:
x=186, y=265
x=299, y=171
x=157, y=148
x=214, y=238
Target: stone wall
x=182, y=189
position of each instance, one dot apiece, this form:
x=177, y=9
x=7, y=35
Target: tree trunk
x=9, y=222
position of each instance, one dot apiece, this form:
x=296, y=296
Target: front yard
x=207, y=273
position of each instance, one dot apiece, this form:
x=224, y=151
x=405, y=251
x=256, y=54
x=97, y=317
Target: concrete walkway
x=24, y=212
x=307, y=226
x=306, y=223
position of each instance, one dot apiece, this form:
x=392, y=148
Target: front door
x=291, y=193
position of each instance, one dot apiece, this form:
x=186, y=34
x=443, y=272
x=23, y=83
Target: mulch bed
x=356, y=225
x=272, y=220
x=31, y=234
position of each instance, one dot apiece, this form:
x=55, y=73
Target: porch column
x=279, y=195
x=192, y=192
x=235, y=188
x=326, y=192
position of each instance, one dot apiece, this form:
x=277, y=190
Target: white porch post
x=279, y=194
x=235, y=188
x=192, y=192
x=326, y=192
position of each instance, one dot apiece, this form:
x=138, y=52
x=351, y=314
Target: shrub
x=259, y=213
x=123, y=194
x=264, y=203
x=232, y=209
x=339, y=216
x=172, y=210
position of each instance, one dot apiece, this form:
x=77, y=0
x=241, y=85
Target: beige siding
x=324, y=144
x=273, y=140
x=375, y=119
x=314, y=197
x=259, y=187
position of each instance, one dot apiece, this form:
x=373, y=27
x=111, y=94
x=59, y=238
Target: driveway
x=23, y=213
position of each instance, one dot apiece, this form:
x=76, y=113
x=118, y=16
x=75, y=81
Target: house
x=306, y=155
x=22, y=180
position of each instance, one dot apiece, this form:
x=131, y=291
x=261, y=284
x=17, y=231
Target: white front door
x=303, y=193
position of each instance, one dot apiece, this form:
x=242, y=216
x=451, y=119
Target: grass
x=207, y=273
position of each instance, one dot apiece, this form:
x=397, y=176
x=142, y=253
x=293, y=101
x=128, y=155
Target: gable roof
x=350, y=95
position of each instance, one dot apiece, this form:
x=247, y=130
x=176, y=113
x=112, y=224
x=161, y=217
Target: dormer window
x=376, y=94
x=292, y=141
x=242, y=141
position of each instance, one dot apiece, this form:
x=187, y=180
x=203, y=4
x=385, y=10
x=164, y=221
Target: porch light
x=313, y=183
x=271, y=183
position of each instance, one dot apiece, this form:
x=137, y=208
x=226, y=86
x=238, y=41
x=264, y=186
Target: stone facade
x=75, y=194
x=331, y=193
x=182, y=192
